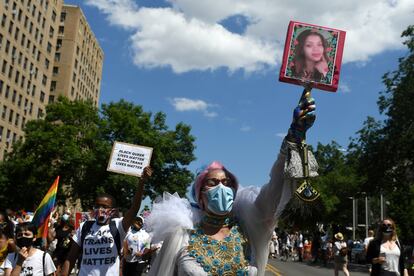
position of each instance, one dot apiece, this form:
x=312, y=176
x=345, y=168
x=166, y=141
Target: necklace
x=226, y=257
x=217, y=221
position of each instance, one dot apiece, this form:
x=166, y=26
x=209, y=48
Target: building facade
x=46, y=49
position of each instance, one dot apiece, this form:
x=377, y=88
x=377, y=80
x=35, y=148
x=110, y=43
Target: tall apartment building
x=77, y=68
x=46, y=49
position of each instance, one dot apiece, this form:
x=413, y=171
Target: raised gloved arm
x=303, y=118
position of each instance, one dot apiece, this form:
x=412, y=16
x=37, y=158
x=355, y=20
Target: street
x=291, y=268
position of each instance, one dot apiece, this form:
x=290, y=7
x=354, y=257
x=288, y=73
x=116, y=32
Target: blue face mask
x=220, y=199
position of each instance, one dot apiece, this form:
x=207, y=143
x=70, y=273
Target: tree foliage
x=385, y=149
x=74, y=141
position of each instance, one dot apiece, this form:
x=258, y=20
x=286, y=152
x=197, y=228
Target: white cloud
x=187, y=36
x=185, y=104
x=281, y=134
x=246, y=128
x=344, y=88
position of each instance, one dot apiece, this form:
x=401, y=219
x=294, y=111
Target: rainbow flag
x=45, y=208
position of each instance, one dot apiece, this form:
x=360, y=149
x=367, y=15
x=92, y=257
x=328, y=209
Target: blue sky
x=214, y=65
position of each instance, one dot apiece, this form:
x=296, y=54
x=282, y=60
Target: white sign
x=129, y=159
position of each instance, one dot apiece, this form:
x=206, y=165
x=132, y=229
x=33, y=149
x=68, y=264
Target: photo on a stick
x=313, y=55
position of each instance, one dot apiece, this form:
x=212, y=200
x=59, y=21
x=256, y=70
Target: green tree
x=385, y=149
x=74, y=140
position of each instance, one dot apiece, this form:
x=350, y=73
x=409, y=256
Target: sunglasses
x=211, y=182
x=386, y=225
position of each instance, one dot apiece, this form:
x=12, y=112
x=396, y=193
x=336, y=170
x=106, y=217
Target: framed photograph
x=129, y=159
x=312, y=54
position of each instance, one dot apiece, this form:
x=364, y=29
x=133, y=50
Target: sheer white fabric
x=256, y=209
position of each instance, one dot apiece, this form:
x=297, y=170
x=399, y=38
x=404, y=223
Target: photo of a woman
x=310, y=57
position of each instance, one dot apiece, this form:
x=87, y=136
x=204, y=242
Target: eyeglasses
x=215, y=181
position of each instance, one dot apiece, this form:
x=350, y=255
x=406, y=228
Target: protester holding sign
x=226, y=231
x=97, y=244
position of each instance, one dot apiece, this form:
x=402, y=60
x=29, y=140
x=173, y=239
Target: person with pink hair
x=226, y=229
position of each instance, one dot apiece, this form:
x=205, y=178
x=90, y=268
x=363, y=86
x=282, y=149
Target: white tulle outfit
x=257, y=210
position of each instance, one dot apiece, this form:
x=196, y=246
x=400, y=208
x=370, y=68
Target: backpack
x=112, y=228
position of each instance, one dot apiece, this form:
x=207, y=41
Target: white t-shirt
x=33, y=265
x=100, y=254
x=137, y=241
x=392, y=258
x=367, y=241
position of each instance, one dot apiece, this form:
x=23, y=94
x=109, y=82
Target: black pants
x=134, y=269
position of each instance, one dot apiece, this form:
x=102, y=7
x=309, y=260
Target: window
x=23, y=40
x=1, y=87
x=16, y=33
x=74, y=77
x=42, y=96
x=3, y=68
x=63, y=17
x=55, y=70
x=16, y=77
x=19, y=101
x=22, y=81
x=61, y=30
x=39, y=113
x=57, y=56
x=14, y=96
x=23, y=122
x=51, y=99
x=17, y=119
x=3, y=20
x=1, y=133
x=11, y=25
x=3, y=114
x=72, y=91
x=49, y=47
x=53, y=86
x=11, y=113
x=6, y=94
x=53, y=16
x=44, y=80
x=7, y=47
x=47, y=63
x=51, y=32
x=43, y=22
x=58, y=44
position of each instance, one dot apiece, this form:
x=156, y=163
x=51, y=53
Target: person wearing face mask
x=97, y=244
x=136, y=246
x=29, y=260
x=63, y=233
x=385, y=252
x=226, y=229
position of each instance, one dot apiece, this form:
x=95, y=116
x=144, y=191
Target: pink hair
x=199, y=182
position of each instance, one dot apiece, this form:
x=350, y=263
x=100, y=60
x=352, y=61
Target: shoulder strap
x=115, y=234
x=43, y=261
x=84, y=231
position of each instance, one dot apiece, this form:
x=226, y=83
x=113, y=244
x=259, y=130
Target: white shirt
x=137, y=241
x=100, y=254
x=33, y=265
x=367, y=241
x=392, y=257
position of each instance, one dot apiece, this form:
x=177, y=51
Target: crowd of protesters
x=22, y=254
